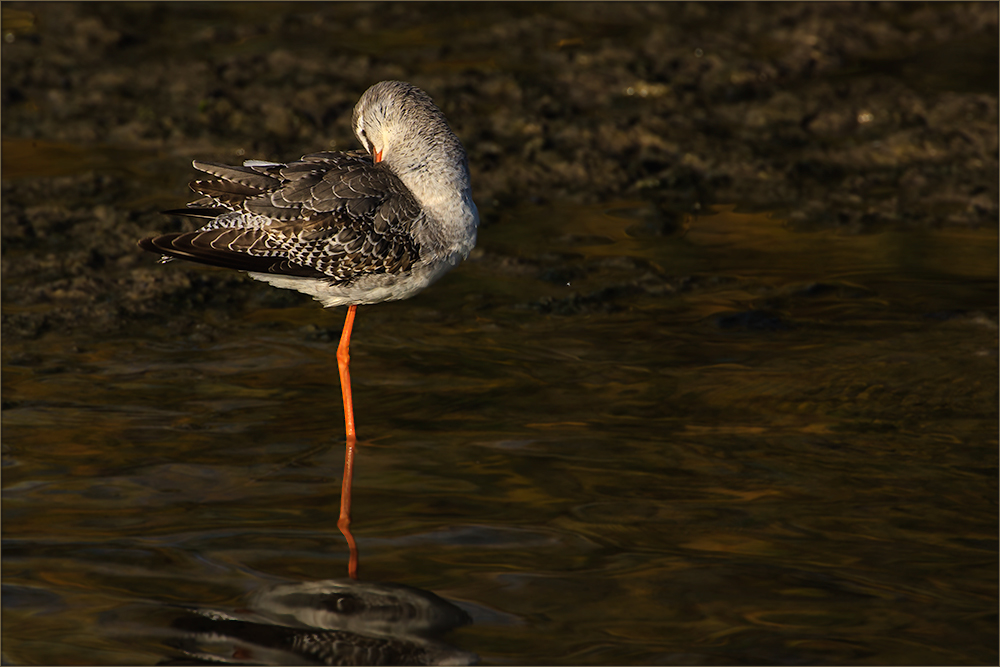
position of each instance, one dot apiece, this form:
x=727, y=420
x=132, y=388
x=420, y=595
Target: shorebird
x=347, y=228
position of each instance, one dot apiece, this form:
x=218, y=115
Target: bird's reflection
x=333, y=622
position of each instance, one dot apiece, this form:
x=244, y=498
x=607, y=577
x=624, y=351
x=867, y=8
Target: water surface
x=607, y=438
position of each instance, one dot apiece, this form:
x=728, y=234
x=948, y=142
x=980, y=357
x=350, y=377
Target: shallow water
x=608, y=438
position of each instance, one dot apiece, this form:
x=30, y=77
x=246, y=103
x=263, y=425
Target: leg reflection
x=344, y=523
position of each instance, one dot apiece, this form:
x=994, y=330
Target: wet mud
x=833, y=115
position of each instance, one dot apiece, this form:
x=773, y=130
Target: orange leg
x=343, y=361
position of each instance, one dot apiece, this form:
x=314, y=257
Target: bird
x=347, y=228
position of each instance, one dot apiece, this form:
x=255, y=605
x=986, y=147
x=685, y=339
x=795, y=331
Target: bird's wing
x=329, y=215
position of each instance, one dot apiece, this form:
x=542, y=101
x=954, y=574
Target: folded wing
x=332, y=216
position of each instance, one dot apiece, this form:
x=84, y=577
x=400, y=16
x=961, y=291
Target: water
x=731, y=442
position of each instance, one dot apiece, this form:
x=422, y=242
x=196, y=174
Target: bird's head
x=398, y=123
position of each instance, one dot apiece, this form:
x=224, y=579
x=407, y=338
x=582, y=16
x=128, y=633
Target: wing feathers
x=332, y=216
x=242, y=175
x=200, y=248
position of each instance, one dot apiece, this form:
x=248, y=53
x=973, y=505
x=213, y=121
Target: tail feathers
x=197, y=247
x=245, y=176
x=202, y=212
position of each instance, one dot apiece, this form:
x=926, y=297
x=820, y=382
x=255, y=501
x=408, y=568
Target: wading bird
x=347, y=228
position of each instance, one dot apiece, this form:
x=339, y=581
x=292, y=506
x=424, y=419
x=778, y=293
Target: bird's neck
x=440, y=182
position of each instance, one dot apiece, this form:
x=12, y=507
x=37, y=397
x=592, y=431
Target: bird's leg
x=343, y=361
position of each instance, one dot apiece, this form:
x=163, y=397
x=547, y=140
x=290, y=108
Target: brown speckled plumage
x=342, y=226
x=332, y=216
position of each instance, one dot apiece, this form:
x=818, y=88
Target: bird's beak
x=378, y=155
